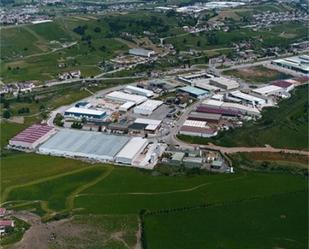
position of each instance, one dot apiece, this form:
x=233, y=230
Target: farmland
x=285, y=127
x=257, y=74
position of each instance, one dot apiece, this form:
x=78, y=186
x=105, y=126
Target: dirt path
x=39, y=234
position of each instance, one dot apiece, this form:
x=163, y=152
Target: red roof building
x=31, y=137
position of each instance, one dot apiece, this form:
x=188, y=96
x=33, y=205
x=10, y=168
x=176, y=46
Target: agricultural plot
x=258, y=223
x=257, y=74
x=283, y=127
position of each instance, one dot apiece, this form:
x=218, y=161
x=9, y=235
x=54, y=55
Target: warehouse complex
x=125, y=97
x=84, y=144
x=139, y=91
x=295, y=63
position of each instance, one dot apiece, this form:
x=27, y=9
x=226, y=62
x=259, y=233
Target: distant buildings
x=141, y=52
x=296, y=63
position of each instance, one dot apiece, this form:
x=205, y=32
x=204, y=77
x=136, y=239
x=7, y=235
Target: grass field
x=272, y=162
x=113, y=192
x=257, y=74
x=256, y=224
x=286, y=127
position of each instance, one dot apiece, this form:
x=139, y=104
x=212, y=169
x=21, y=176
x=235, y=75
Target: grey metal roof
x=86, y=142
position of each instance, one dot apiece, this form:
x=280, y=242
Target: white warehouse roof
x=247, y=97
x=85, y=111
x=126, y=106
x=152, y=124
x=223, y=82
x=268, y=90
x=139, y=91
x=195, y=123
x=131, y=150
x=125, y=97
x=147, y=107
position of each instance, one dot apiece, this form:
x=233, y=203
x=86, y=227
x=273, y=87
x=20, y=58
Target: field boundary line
x=166, y=192
x=69, y=203
x=9, y=189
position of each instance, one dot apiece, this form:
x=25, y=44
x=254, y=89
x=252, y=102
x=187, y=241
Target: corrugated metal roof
x=131, y=149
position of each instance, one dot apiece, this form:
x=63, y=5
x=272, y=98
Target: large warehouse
x=194, y=91
x=139, y=91
x=197, y=128
x=125, y=97
x=270, y=90
x=31, y=137
x=84, y=144
x=131, y=150
x=224, y=83
x=249, y=99
x=79, y=113
x=141, y=52
x=147, y=107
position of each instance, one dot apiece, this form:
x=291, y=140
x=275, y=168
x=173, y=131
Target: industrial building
x=84, y=144
x=194, y=92
x=247, y=98
x=79, y=113
x=139, y=91
x=141, y=52
x=208, y=117
x=218, y=110
x=270, y=90
x=125, y=97
x=146, y=124
x=195, y=77
x=197, y=128
x=126, y=106
x=131, y=150
x=295, y=63
x=285, y=84
x=224, y=83
x=243, y=109
x=31, y=137
x=147, y=107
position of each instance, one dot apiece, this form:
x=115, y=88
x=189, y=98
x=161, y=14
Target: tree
x=6, y=114
x=198, y=43
x=97, y=29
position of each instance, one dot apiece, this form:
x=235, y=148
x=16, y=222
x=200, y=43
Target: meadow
x=283, y=127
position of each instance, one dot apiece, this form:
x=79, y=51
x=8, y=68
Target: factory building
x=270, y=90
x=218, y=110
x=296, y=63
x=194, y=92
x=126, y=106
x=31, y=137
x=285, y=84
x=84, y=144
x=224, y=83
x=247, y=98
x=244, y=110
x=131, y=150
x=208, y=117
x=147, y=107
x=197, y=128
x=79, y=113
x=125, y=97
x=139, y=91
x=146, y=124
x=141, y=52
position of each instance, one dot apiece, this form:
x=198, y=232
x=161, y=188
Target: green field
x=261, y=38
x=286, y=127
x=254, y=224
x=257, y=74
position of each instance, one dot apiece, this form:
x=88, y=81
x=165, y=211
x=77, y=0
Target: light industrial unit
x=131, y=150
x=125, y=97
x=139, y=91
x=79, y=113
x=31, y=137
x=147, y=107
